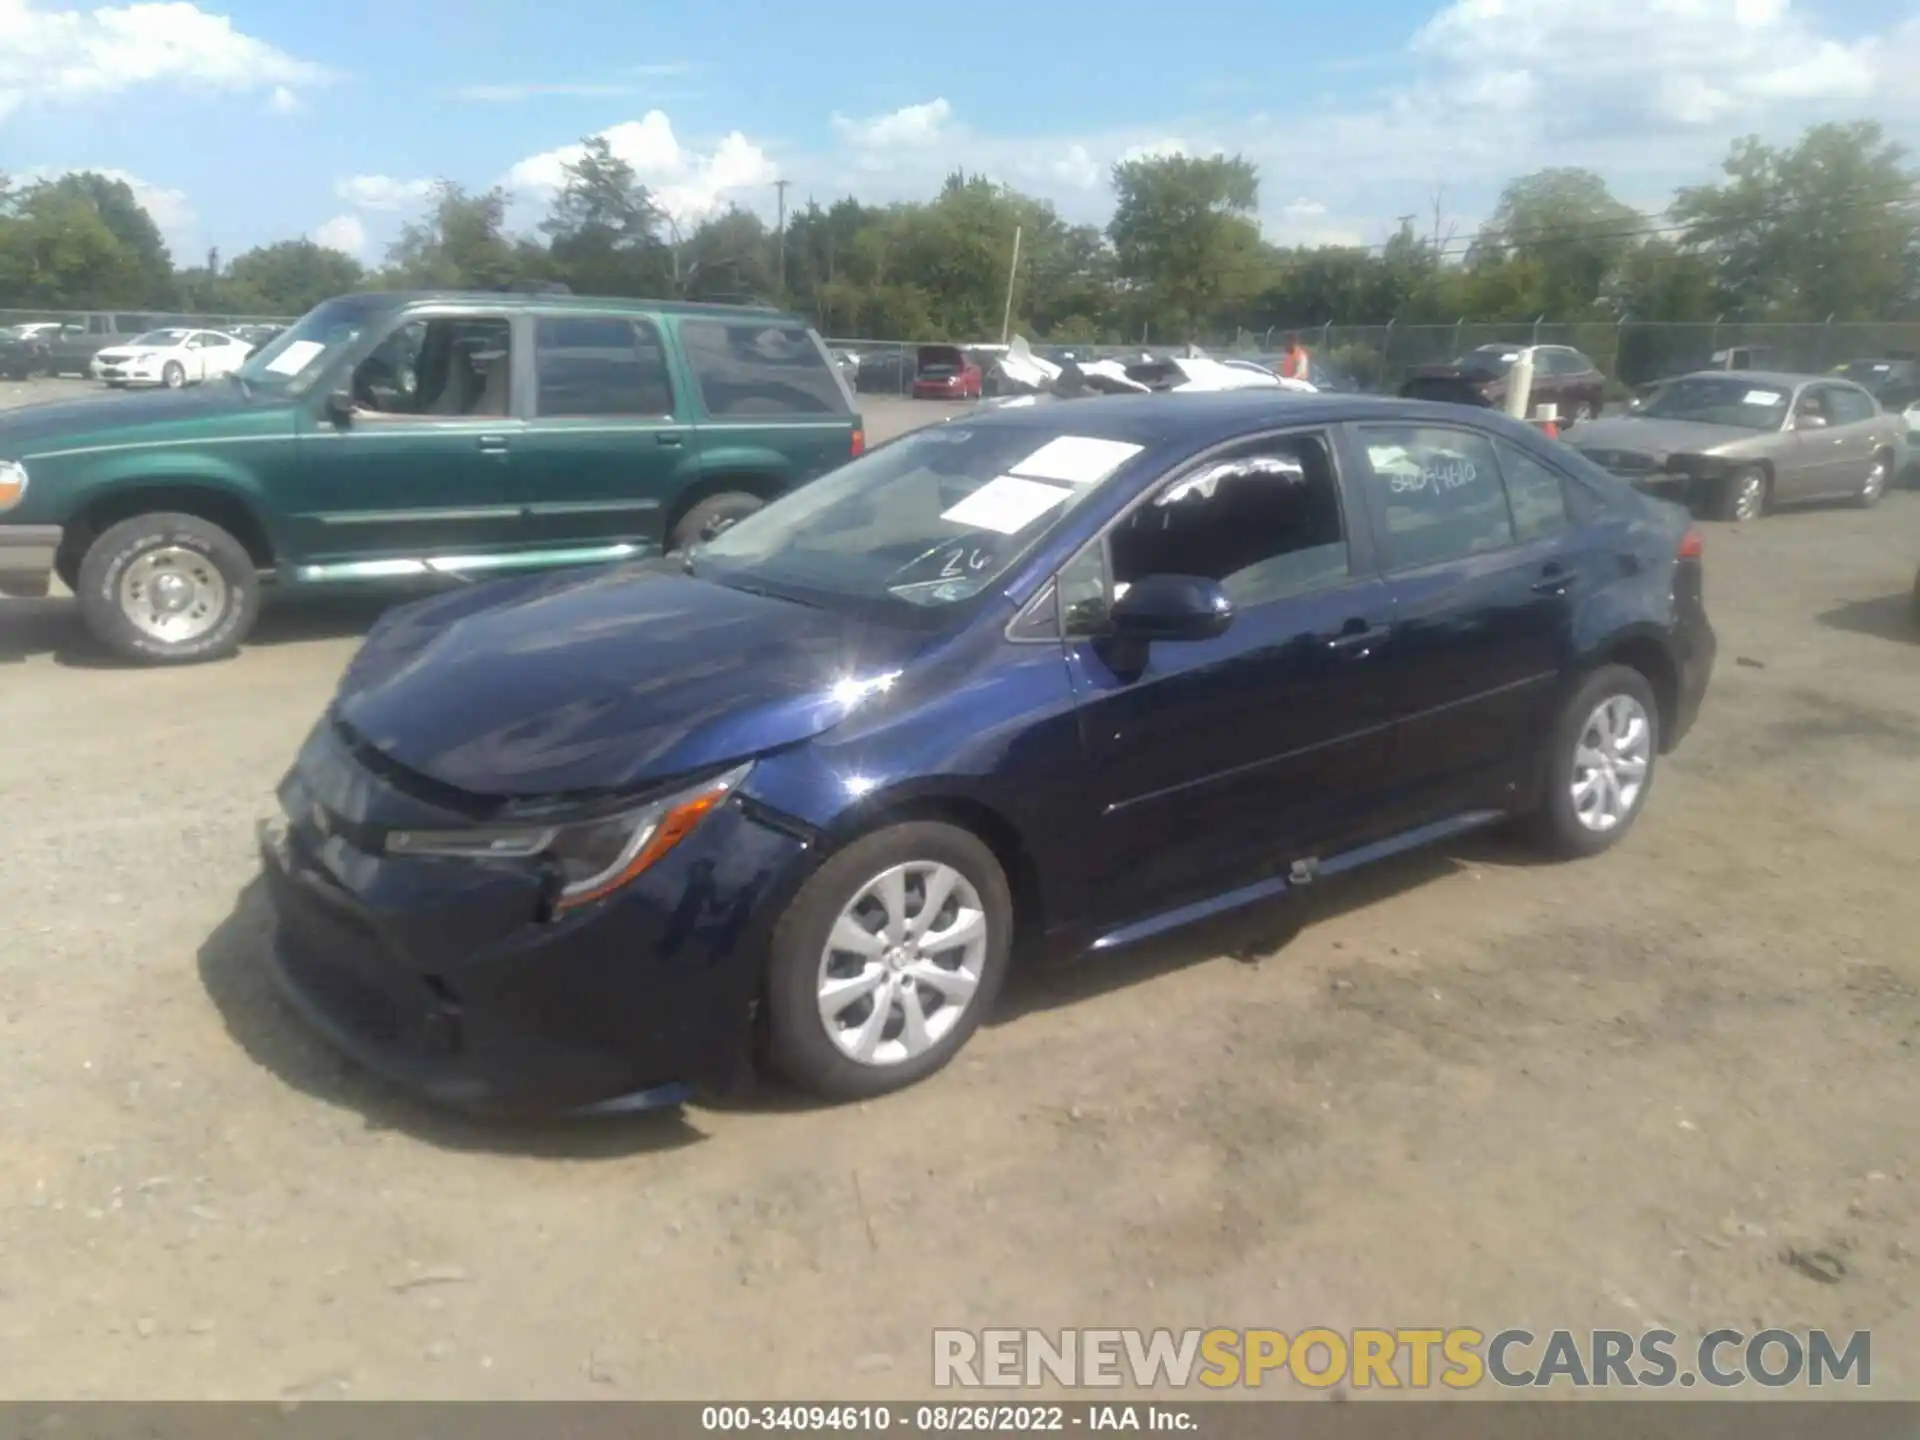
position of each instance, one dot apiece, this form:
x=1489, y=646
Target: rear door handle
x=1361, y=639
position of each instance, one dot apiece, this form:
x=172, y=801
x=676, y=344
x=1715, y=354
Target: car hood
x=1651, y=436
x=571, y=684
x=135, y=352
x=113, y=419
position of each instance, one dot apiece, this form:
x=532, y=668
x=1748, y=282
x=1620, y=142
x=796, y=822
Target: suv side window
x=600, y=366
x=1535, y=493
x=445, y=368
x=1440, y=491
x=1266, y=523
x=752, y=367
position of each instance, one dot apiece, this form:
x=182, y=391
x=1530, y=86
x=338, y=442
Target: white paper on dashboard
x=1006, y=505
x=1077, y=459
x=1763, y=397
x=295, y=358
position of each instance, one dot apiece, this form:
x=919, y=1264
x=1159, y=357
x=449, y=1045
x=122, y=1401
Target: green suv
x=385, y=437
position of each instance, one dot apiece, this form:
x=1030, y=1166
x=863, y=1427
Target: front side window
x=295, y=360
x=600, y=366
x=162, y=339
x=922, y=524
x=753, y=368
x=1849, y=406
x=444, y=368
x=1440, y=491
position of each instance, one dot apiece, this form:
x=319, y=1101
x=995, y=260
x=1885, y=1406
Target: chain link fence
x=141, y=319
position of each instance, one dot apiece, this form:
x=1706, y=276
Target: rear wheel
x=1601, y=763
x=1742, y=495
x=1581, y=411
x=168, y=590
x=887, y=960
x=1875, y=484
x=712, y=513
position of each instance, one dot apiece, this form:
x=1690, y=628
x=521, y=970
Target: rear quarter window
x=749, y=368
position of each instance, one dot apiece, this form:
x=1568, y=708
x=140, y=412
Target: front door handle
x=669, y=437
x=494, y=444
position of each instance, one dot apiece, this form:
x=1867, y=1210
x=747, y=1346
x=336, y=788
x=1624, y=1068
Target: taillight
x=859, y=446
x=1692, y=544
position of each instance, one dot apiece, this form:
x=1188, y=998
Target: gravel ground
x=1476, y=1090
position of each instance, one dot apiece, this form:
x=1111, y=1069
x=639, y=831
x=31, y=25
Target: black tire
x=1733, y=494
x=106, y=562
x=174, y=376
x=691, y=527
x=799, y=1046
x=1582, y=412
x=1556, y=823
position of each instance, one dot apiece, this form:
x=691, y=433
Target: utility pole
x=1013, y=273
x=780, y=189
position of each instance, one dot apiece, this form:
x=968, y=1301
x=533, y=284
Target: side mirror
x=1171, y=607
x=340, y=407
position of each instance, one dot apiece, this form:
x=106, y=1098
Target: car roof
x=1785, y=378
x=1195, y=420
x=587, y=304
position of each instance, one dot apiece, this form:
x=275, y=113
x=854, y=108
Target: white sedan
x=172, y=358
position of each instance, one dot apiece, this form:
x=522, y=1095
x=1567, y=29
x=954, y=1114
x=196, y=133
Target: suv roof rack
x=536, y=287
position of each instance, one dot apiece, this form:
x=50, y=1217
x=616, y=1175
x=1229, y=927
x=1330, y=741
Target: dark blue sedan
x=1068, y=676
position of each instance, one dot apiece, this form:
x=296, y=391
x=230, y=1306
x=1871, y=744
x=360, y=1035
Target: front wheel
x=1582, y=411
x=1601, y=761
x=887, y=960
x=168, y=590
x=174, y=375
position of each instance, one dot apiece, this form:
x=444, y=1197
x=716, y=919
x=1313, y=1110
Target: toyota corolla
x=1045, y=681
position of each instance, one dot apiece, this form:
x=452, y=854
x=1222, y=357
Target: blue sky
x=248, y=121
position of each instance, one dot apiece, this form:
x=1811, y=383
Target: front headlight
x=593, y=857
x=13, y=483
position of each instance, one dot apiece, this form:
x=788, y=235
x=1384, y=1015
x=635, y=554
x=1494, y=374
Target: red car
x=945, y=372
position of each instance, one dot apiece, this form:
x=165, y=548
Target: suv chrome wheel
x=902, y=963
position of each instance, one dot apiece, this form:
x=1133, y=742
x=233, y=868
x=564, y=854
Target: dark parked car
x=1046, y=680
x=1562, y=377
x=416, y=436
x=885, y=370
x=71, y=348
x=27, y=350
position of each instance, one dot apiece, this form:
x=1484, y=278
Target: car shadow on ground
x=1886, y=617
x=53, y=626
x=234, y=971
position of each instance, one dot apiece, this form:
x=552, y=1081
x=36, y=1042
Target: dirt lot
x=1476, y=1090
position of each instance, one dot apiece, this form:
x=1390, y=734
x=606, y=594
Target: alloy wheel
x=1876, y=480
x=902, y=963
x=1751, y=497
x=173, y=594
x=1610, y=763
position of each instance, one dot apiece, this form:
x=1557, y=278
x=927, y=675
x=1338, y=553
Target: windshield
x=1489, y=360
x=1738, y=403
x=162, y=338
x=1874, y=374
x=296, y=357
x=928, y=521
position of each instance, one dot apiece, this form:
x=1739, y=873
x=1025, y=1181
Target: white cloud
x=283, y=101
x=344, y=233
x=381, y=192
x=49, y=55
x=687, y=184
x=912, y=127
x=1164, y=149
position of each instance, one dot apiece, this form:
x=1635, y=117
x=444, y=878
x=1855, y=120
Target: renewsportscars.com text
x=1390, y=1359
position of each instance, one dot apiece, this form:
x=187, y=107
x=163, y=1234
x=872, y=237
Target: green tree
x=57, y=251
x=1824, y=227
x=604, y=228
x=289, y=278
x=1186, y=246
x=129, y=223
x=727, y=257
x=1567, y=232
x=459, y=244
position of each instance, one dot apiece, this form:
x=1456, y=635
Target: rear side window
x=594, y=366
x=1440, y=491
x=1535, y=493
x=1849, y=406
x=751, y=368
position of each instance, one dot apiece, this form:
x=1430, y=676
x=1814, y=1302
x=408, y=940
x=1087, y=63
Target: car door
x=1481, y=589
x=194, y=355
x=1217, y=763
x=1821, y=460
x=422, y=465
x=607, y=445
x=1856, y=421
